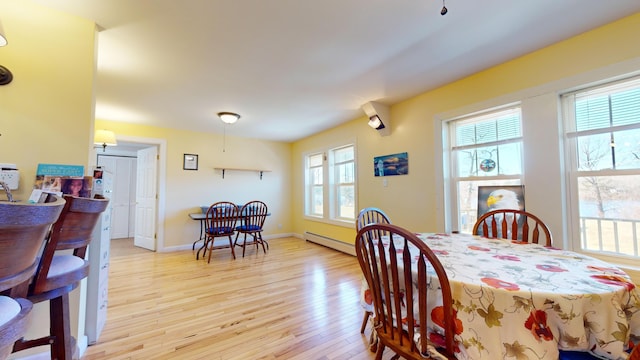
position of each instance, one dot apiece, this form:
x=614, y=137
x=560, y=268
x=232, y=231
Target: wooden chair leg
x=364, y=321
x=259, y=235
x=380, y=351
x=61, y=348
x=210, y=251
x=233, y=252
x=244, y=244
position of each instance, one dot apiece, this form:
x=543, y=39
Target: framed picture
x=500, y=197
x=190, y=162
x=396, y=164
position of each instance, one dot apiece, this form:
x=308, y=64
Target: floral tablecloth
x=525, y=301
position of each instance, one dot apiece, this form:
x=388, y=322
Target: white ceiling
x=291, y=68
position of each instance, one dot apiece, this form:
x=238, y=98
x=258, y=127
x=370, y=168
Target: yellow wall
x=411, y=200
x=187, y=190
x=46, y=113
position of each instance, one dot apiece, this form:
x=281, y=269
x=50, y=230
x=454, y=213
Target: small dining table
x=526, y=301
x=201, y=217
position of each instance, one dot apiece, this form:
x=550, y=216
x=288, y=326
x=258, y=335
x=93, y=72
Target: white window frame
x=331, y=186
x=573, y=173
x=451, y=161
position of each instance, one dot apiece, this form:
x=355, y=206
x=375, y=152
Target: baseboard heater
x=330, y=243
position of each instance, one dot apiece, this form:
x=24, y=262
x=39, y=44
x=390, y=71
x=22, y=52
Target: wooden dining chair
x=399, y=269
x=252, y=216
x=580, y=355
x=61, y=268
x=23, y=229
x=366, y=216
x=516, y=225
x=220, y=222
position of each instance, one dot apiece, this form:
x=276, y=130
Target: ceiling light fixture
x=105, y=138
x=228, y=117
x=444, y=10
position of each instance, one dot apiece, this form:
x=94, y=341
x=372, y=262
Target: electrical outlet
x=10, y=176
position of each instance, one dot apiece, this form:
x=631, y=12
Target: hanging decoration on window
x=487, y=165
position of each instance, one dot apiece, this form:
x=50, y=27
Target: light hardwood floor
x=299, y=301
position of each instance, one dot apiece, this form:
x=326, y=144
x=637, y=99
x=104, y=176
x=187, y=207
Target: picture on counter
x=387, y=165
x=190, y=162
x=68, y=185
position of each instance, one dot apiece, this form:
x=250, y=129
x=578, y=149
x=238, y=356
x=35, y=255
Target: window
x=330, y=185
x=485, y=149
x=603, y=147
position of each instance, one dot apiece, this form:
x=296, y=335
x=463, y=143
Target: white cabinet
x=97, y=281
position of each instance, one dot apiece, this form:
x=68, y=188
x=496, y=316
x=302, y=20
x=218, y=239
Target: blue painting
x=387, y=165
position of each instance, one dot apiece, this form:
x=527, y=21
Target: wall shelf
x=223, y=169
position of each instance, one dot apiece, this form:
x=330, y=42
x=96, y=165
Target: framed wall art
x=190, y=162
x=387, y=165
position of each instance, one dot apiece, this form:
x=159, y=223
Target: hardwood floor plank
x=298, y=301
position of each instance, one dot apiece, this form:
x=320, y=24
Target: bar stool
x=60, y=270
x=23, y=228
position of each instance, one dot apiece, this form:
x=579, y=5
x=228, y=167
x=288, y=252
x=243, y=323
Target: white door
x=146, y=189
x=121, y=200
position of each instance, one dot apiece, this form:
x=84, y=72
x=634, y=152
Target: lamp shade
x=3, y=38
x=228, y=117
x=105, y=138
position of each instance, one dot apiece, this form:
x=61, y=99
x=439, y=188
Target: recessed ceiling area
x=294, y=68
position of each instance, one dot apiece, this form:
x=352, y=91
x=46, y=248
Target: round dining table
x=524, y=301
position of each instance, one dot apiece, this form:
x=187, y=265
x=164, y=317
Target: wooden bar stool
x=23, y=228
x=60, y=270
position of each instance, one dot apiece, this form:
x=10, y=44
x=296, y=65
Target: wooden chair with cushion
x=220, y=222
x=366, y=216
x=516, y=225
x=23, y=229
x=400, y=291
x=61, y=268
x=580, y=355
x=253, y=215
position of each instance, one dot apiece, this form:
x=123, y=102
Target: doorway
x=138, y=192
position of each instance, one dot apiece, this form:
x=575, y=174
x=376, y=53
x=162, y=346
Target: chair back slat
x=371, y=215
x=254, y=214
x=516, y=225
x=400, y=271
x=23, y=229
x=221, y=218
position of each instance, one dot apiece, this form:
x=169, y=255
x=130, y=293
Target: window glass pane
x=594, y=152
x=592, y=113
x=315, y=160
x=346, y=208
x=344, y=154
x=625, y=107
x=603, y=110
x=490, y=160
x=627, y=149
x=468, y=201
x=510, y=159
x=488, y=128
x=316, y=176
x=609, y=209
x=345, y=173
x=316, y=200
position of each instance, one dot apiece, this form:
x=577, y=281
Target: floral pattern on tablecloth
x=526, y=301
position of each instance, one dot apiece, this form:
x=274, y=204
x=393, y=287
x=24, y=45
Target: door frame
x=161, y=179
